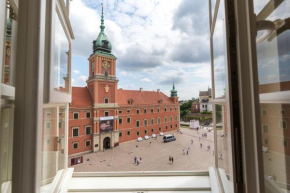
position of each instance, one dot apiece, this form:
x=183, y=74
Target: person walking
x=169, y=159
x=183, y=151
x=135, y=159
x=172, y=159
x=188, y=150
x=138, y=162
x=140, y=159
x=200, y=145
x=191, y=142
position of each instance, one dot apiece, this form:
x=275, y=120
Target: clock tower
x=102, y=85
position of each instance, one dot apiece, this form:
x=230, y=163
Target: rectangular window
x=266, y=128
x=60, y=124
x=285, y=142
x=166, y=127
x=106, y=100
x=106, y=113
x=137, y=123
x=128, y=132
x=176, y=125
x=158, y=110
x=152, y=110
x=145, y=122
x=283, y=125
x=60, y=114
x=266, y=141
x=175, y=118
x=170, y=119
x=120, y=134
x=165, y=109
x=145, y=131
x=145, y=111
x=137, y=111
x=88, y=130
x=159, y=128
x=76, y=115
x=48, y=114
x=88, y=143
x=88, y=114
x=152, y=121
x=264, y=112
x=170, y=108
x=158, y=120
x=120, y=121
x=152, y=130
x=75, y=132
x=47, y=141
x=128, y=120
x=138, y=133
x=165, y=119
x=75, y=145
x=120, y=111
x=282, y=112
x=128, y=111
x=171, y=126
x=47, y=124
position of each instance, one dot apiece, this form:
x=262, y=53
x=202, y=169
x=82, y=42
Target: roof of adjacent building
x=205, y=93
x=142, y=97
x=81, y=97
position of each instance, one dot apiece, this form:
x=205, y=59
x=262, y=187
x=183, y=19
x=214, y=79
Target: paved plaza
x=155, y=155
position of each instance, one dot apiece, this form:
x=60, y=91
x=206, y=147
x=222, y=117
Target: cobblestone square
x=155, y=155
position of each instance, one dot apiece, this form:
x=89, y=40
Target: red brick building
x=102, y=116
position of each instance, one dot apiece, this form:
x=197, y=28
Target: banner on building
x=106, y=124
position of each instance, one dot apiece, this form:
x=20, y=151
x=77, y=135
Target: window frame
x=88, y=140
x=127, y=119
x=106, y=100
x=75, y=128
x=120, y=121
x=106, y=112
x=73, y=143
x=89, y=114
x=138, y=121
x=77, y=114
x=88, y=126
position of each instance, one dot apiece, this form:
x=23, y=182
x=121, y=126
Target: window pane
x=61, y=54
x=219, y=53
x=6, y=144
x=273, y=58
x=53, y=155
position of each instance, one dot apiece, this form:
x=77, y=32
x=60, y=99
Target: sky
x=155, y=42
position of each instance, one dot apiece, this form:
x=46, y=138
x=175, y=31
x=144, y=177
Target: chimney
x=158, y=90
x=141, y=89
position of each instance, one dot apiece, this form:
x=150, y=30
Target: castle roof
x=81, y=97
x=142, y=97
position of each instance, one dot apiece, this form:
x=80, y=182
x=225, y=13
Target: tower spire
x=102, y=20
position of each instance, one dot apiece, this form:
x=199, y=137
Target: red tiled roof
x=81, y=97
x=141, y=98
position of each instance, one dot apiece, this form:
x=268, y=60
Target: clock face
x=106, y=64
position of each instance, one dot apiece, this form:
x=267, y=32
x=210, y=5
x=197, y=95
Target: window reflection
x=273, y=55
x=219, y=50
x=61, y=57
x=53, y=143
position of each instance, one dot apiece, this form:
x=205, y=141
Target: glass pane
x=53, y=144
x=6, y=77
x=219, y=53
x=61, y=55
x=6, y=147
x=222, y=154
x=273, y=56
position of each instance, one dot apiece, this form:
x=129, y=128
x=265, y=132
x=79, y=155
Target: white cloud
x=83, y=78
x=76, y=71
x=146, y=80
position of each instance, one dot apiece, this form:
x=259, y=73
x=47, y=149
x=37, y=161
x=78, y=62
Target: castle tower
x=102, y=81
x=173, y=96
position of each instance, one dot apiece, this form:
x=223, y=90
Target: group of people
x=171, y=159
x=204, y=134
x=137, y=160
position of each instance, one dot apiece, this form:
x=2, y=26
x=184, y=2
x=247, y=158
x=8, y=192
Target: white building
x=205, y=100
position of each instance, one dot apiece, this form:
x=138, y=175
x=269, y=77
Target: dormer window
x=105, y=43
x=130, y=101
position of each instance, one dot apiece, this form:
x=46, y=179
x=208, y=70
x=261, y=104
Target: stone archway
x=107, y=143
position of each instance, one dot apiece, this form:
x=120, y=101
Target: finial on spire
x=102, y=19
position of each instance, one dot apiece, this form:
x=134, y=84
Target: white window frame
x=105, y=114
x=287, y=142
x=282, y=121
x=152, y=123
x=128, y=132
x=46, y=124
x=74, y=128
x=106, y=99
x=127, y=119
x=121, y=121
x=137, y=111
x=89, y=113
x=88, y=126
x=268, y=127
x=138, y=122
x=145, y=124
x=265, y=110
x=48, y=113
x=77, y=114
x=128, y=110
x=88, y=140
x=75, y=143
x=48, y=141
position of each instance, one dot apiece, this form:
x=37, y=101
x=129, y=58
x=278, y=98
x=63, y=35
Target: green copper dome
x=173, y=91
x=102, y=43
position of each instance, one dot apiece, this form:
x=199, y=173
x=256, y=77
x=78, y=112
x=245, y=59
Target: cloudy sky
x=155, y=42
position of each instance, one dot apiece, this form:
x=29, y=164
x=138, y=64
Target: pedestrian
x=169, y=159
x=135, y=159
x=213, y=152
x=200, y=145
x=140, y=159
x=208, y=147
x=183, y=151
x=187, y=152
x=221, y=156
x=191, y=141
x=172, y=159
